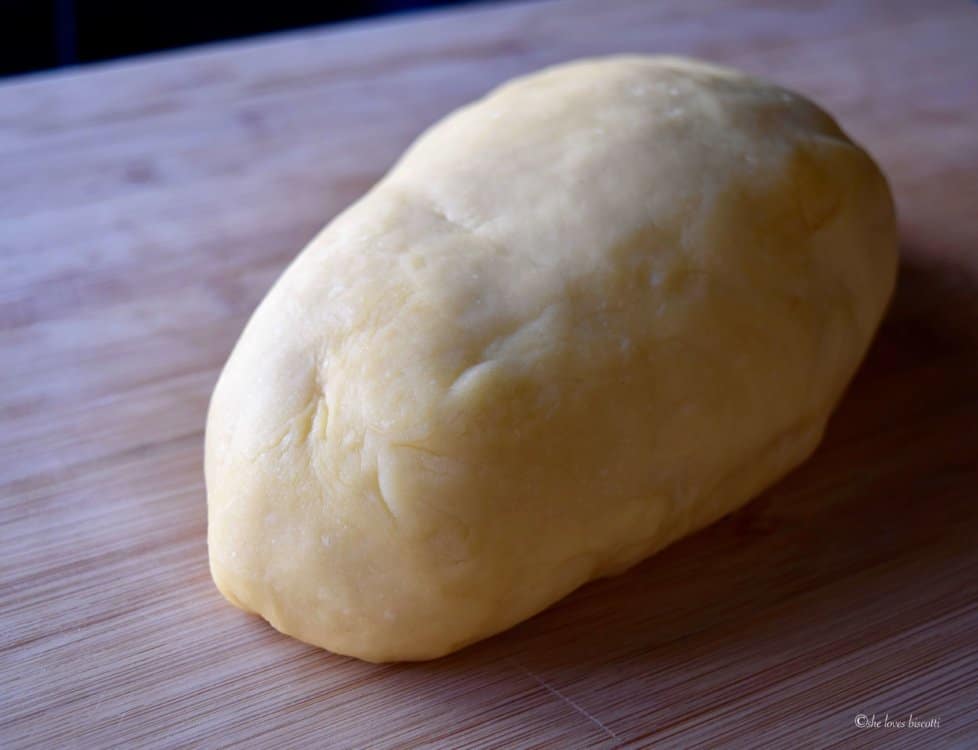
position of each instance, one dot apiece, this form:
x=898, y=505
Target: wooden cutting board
x=146, y=206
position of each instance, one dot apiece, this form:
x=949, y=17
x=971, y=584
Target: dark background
x=39, y=34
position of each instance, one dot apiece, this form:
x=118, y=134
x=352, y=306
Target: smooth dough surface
x=579, y=319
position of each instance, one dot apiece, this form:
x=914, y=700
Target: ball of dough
x=581, y=318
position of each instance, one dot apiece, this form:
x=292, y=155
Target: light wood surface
x=146, y=206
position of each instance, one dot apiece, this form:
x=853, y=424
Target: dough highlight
x=586, y=315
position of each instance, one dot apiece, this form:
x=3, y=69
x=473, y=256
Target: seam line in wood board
x=555, y=692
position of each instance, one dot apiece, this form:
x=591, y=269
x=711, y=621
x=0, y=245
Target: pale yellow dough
x=581, y=318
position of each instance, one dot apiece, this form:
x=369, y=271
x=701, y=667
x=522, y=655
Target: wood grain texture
x=146, y=206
